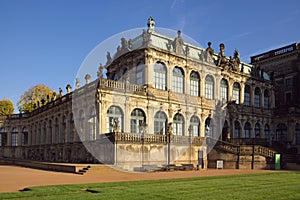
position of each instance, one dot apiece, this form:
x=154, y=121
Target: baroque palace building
x=162, y=101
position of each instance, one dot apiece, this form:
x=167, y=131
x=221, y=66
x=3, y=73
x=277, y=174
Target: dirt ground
x=15, y=178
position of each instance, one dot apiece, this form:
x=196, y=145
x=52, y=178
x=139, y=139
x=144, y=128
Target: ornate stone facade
x=154, y=83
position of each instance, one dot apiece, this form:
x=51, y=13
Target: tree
x=6, y=107
x=34, y=97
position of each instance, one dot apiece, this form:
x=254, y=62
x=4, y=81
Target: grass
x=280, y=185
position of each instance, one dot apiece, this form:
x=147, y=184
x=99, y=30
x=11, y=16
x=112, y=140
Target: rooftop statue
x=178, y=43
x=221, y=62
x=151, y=23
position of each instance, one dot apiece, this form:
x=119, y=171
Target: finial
x=151, y=23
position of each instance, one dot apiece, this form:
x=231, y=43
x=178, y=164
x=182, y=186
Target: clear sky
x=45, y=42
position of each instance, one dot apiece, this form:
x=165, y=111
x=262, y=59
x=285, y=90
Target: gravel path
x=15, y=178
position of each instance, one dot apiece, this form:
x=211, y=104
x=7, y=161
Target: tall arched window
x=50, y=132
x=247, y=129
x=44, y=134
x=195, y=126
x=267, y=132
x=39, y=134
x=71, y=129
x=208, y=127
x=14, y=137
x=236, y=92
x=281, y=133
x=237, y=130
x=137, y=119
x=56, y=131
x=81, y=124
x=178, y=80
x=3, y=136
x=247, y=95
x=160, y=123
x=92, y=124
x=114, y=119
x=194, y=84
x=63, y=130
x=266, y=99
x=257, y=130
x=297, y=133
x=178, y=124
x=24, y=139
x=209, y=87
x=160, y=76
x=140, y=74
x=257, y=97
x=224, y=89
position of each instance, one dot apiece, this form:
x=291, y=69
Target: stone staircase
x=96, y=168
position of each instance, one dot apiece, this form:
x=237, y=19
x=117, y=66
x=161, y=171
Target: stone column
x=242, y=93
x=230, y=85
x=187, y=82
x=19, y=136
x=217, y=88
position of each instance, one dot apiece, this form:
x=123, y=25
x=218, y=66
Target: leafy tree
x=34, y=97
x=6, y=107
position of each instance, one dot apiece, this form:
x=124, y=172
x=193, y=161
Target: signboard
x=277, y=161
x=219, y=164
x=273, y=53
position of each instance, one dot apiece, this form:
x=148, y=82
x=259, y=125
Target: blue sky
x=45, y=42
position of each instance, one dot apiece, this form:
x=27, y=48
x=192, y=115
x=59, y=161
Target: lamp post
x=169, y=135
x=143, y=130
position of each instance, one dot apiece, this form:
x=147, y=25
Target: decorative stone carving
x=60, y=92
x=68, y=88
x=108, y=58
x=151, y=23
x=77, y=83
x=234, y=62
x=100, y=71
x=178, y=43
x=221, y=62
x=146, y=38
x=87, y=78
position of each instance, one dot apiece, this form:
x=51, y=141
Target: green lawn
x=281, y=185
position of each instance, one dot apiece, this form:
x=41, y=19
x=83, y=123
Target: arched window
x=50, y=132
x=247, y=129
x=237, y=130
x=38, y=134
x=178, y=80
x=225, y=131
x=140, y=74
x=266, y=99
x=137, y=120
x=224, y=89
x=281, y=133
x=209, y=87
x=92, y=121
x=160, y=123
x=14, y=137
x=257, y=130
x=257, y=97
x=71, y=129
x=267, y=132
x=178, y=124
x=208, y=127
x=44, y=134
x=160, y=76
x=56, y=131
x=114, y=119
x=24, y=139
x=236, y=92
x=3, y=136
x=195, y=126
x=297, y=133
x=247, y=95
x=194, y=84
x=81, y=124
x=63, y=130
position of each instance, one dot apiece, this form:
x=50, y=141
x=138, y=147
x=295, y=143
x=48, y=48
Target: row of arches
x=178, y=86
